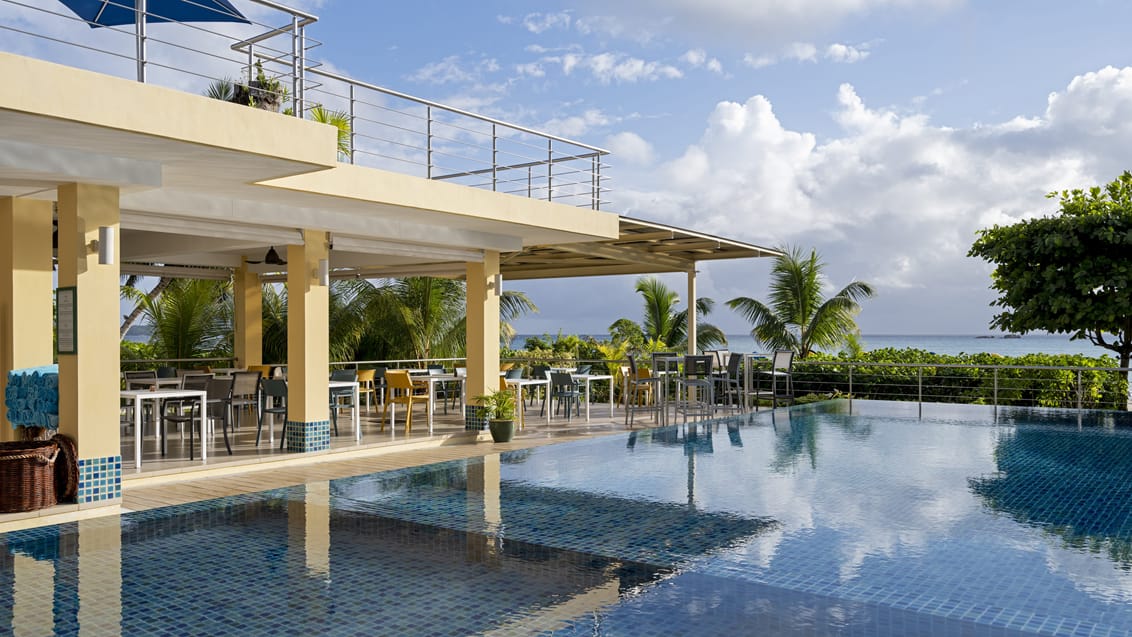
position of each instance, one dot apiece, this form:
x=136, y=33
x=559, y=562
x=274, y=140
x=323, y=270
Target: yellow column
x=482, y=328
x=32, y=596
x=100, y=576
x=25, y=290
x=483, y=504
x=692, y=312
x=308, y=346
x=88, y=378
x=247, y=295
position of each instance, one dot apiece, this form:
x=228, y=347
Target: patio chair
x=696, y=393
x=729, y=384
x=166, y=372
x=340, y=394
x=245, y=393
x=401, y=390
x=365, y=386
x=538, y=372
x=563, y=389
x=779, y=375
x=174, y=411
x=634, y=384
x=273, y=397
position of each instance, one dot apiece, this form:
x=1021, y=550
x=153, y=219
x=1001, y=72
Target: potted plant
x=500, y=408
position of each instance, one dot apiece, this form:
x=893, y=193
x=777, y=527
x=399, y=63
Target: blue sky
x=883, y=133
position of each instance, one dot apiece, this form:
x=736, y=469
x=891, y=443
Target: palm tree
x=339, y=120
x=663, y=324
x=798, y=318
x=191, y=318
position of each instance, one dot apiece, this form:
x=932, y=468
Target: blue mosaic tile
x=475, y=418
x=307, y=436
x=100, y=479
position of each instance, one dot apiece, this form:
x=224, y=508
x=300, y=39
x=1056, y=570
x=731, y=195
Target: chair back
x=664, y=361
x=561, y=381
x=583, y=369
x=195, y=382
x=538, y=372
x=145, y=374
x=366, y=376
x=432, y=368
x=461, y=372
x=245, y=383
x=733, y=362
x=697, y=366
x=220, y=389
x=348, y=375
x=166, y=372
x=783, y=360
x=398, y=379
x=274, y=388
x=515, y=373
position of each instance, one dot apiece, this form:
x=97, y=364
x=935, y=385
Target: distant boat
x=984, y=337
x=1012, y=336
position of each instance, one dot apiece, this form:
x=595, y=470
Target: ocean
x=940, y=344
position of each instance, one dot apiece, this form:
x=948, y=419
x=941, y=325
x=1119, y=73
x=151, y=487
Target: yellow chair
x=401, y=390
x=365, y=385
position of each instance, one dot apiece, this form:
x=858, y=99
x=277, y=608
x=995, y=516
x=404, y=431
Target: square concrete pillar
x=308, y=346
x=482, y=300
x=89, y=377
x=247, y=296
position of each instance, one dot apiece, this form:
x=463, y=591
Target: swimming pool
x=804, y=521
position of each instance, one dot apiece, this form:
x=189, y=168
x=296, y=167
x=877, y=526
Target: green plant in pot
x=499, y=406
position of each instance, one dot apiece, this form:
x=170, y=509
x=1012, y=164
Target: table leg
x=548, y=404
x=431, y=403
x=587, y=400
x=357, y=413
x=137, y=433
x=611, y=397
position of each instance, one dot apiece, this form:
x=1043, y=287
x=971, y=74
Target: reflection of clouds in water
x=1090, y=572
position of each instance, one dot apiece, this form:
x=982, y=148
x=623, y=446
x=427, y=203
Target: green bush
x=1044, y=386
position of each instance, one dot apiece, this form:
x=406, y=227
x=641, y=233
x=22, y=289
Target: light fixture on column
x=497, y=284
x=104, y=245
x=324, y=272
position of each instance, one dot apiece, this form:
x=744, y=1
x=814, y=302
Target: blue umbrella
x=105, y=13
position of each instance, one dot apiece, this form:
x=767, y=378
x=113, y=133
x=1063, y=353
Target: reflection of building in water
x=481, y=555
x=1071, y=483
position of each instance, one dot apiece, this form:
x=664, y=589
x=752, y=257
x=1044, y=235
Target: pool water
x=962, y=520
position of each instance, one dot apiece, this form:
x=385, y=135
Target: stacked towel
x=32, y=397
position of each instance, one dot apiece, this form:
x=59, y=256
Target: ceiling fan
x=271, y=258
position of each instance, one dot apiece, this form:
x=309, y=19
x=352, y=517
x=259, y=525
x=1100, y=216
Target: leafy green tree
x=1070, y=273
x=663, y=323
x=798, y=317
x=191, y=318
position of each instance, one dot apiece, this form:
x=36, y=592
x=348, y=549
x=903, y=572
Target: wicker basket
x=27, y=475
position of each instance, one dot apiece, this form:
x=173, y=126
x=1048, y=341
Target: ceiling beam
x=628, y=255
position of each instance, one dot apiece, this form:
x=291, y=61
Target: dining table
x=519, y=384
x=146, y=383
x=433, y=380
x=586, y=379
x=138, y=398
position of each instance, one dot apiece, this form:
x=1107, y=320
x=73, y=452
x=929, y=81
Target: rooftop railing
x=388, y=129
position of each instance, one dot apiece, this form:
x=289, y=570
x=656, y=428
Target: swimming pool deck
x=173, y=479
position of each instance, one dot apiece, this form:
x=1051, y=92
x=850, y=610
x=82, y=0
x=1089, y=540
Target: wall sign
x=66, y=324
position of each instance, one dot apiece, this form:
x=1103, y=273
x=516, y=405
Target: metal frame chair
x=781, y=369
x=398, y=380
x=634, y=383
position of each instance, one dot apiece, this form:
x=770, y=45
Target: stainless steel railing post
x=353, y=126
x=140, y=36
x=549, y=169
x=494, y=158
x=428, y=139
x=920, y=389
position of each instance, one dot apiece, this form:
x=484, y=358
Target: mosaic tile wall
x=100, y=479
x=307, y=436
x=475, y=419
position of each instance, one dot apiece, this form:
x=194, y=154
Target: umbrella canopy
x=104, y=13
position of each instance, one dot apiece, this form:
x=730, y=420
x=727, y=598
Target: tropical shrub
x=978, y=382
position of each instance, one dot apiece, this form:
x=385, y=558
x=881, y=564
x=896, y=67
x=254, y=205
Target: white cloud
x=846, y=53
x=453, y=70
x=807, y=52
x=893, y=198
x=629, y=148
x=618, y=67
x=530, y=69
x=576, y=125
x=539, y=22
x=697, y=58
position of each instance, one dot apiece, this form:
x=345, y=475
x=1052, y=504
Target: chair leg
x=227, y=445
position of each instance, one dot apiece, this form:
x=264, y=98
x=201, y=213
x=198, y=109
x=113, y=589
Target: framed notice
x=66, y=325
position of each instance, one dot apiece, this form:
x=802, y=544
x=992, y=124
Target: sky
x=882, y=133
